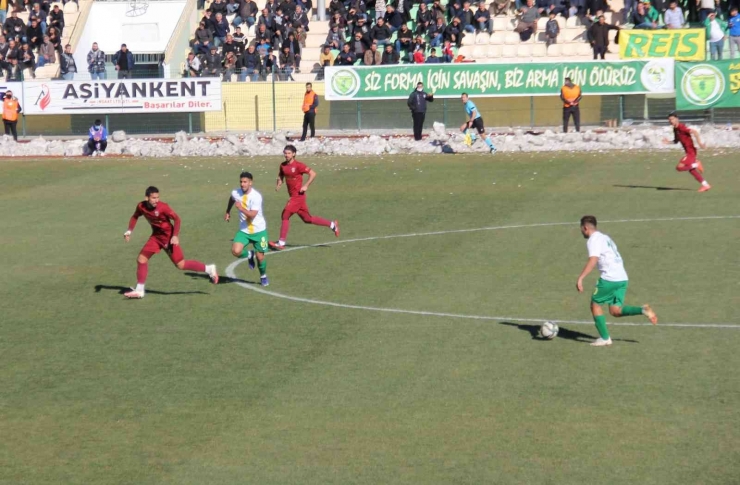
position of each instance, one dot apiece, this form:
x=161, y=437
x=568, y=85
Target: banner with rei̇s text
x=122, y=96
x=489, y=80
x=702, y=85
x=678, y=44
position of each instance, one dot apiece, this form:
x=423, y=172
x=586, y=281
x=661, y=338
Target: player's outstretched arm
x=590, y=265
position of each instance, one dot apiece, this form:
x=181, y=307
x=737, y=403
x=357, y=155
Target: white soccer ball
x=549, y=330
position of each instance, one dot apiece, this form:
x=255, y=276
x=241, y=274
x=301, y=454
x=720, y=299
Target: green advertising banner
x=707, y=85
x=527, y=79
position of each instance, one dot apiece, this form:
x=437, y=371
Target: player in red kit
x=165, y=235
x=683, y=134
x=292, y=172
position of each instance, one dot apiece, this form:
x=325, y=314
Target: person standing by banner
x=310, y=103
x=11, y=109
x=417, y=103
x=571, y=95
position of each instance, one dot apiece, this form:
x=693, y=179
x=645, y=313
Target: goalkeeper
x=98, y=141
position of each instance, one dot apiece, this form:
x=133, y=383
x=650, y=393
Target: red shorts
x=157, y=243
x=296, y=205
x=688, y=159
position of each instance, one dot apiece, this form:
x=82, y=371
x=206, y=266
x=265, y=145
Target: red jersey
x=293, y=174
x=159, y=218
x=682, y=135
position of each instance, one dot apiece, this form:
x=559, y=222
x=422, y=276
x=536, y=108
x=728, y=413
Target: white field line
x=230, y=272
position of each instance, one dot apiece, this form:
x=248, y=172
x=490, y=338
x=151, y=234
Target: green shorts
x=258, y=239
x=610, y=293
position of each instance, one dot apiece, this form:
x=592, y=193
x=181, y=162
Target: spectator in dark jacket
x=423, y=19
x=221, y=26
x=334, y=39
x=552, y=30
x=229, y=46
x=392, y=18
x=34, y=34
x=340, y=22
x=203, y=39
x=299, y=18
x=267, y=19
x=358, y=45
x=287, y=64
x=454, y=7
x=123, y=60
x=38, y=14
x=295, y=49
x=262, y=36
x=288, y=7
x=417, y=103
x=346, y=57
x=28, y=60
x=67, y=65
x=390, y=56
x=213, y=63
x=454, y=33
x=218, y=6
x=240, y=40
x=247, y=13
x=483, y=19
x=381, y=33
x=404, y=40
x=467, y=18
x=599, y=36
x=337, y=6
x=210, y=22
x=249, y=64
x=272, y=6
x=433, y=59
x=56, y=19
x=436, y=32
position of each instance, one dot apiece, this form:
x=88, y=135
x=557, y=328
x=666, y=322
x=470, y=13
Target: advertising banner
x=678, y=44
x=122, y=96
x=15, y=87
x=488, y=80
x=705, y=85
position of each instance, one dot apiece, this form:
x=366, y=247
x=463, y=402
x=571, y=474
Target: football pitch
x=402, y=352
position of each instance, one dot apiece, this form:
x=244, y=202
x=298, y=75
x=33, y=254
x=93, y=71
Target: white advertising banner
x=14, y=87
x=121, y=96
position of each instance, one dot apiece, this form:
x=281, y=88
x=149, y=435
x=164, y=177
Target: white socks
x=705, y=183
x=210, y=268
x=281, y=242
x=332, y=226
x=140, y=288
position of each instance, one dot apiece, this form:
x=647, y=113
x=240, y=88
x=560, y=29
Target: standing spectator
x=35, y=34
x=734, y=26
x=193, y=65
x=334, y=39
x=213, y=63
x=56, y=19
x=599, y=37
x=423, y=19
x=229, y=66
x=483, y=18
x=221, y=30
x=552, y=30
x=310, y=105
x=467, y=19
x=123, y=60
x=249, y=64
x=97, y=140
x=55, y=39
x=346, y=57
x=381, y=33
x=404, y=40
x=390, y=56
x=499, y=7
x=570, y=94
x=673, y=17
x=326, y=58
x=210, y=22
x=417, y=103
x=705, y=8
x=28, y=60
x=372, y=56
x=67, y=65
x=295, y=49
x=3, y=12
x=247, y=13
x=392, y=18
x=96, y=63
x=379, y=9
x=454, y=33
x=287, y=64
x=433, y=59
x=11, y=109
x=527, y=25
x=436, y=32
x=47, y=53
x=716, y=29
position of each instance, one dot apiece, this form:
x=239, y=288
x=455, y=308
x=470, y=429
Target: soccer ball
x=549, y=330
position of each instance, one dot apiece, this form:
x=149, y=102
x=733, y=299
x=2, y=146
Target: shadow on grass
x=124, y=289
x=222, y=280
x=650, y=187
x=534, y=332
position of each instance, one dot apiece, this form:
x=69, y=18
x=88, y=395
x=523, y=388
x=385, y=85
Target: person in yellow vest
x=310, y=103
x=571, y=95
x=11, y=108
x=3, y=11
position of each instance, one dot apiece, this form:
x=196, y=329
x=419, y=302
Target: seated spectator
x=552, y=30
x=240, y=40
x=360, y=6
x=213, y=63
x=218, y=6
x=454, y=33
x=210, y=22
x=467, y=18
x=350, y=20
x=381, y=33
x=432, y=59
x=527, y=25
x=228, y=46
x=640, y=20
x=14, y=27
x=338, y=21
x=363, y=28
x=262, y=36
x=56, y=39
x=56, y=19
x=249, y=64
x=483, y=18
x=267, y=19
x=545, y=7
x=287, y=64
x=334, y=39
x=229, y=66
x=372, y=57
x=47, y=53
x=438, y=10
x=454, y=7
x=358, y=45
x=301, y=35
x=390, y=56
x=404, y=40
x=436, y=32
x=270, y=66
x=326, y=58
x=247, y=13
x=232, y=7
x=300, y=19
x=38, y=14
x=447, y=53
x=193, y=66
x=392, y=18
x=346, y=57
x=578, y=7
x=593, y=6
x=13, y=71
x=499, y=7
x=288, y=7
x=203, y=39
x=652, y=14
x=295, y=48
x=221, y=26
x=28, y=60
x=282, y=26
x=67, y=65
x=673, y=17
x=34, y=34
x=423, y=19
x=272, y=6
x=337, y=6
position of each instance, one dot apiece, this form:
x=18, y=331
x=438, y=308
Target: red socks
x=695, y=173
x=191, y=265
x=318, y=221
x=284, y=228
x=141, y=272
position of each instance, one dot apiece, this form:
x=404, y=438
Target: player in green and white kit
x=612, y=285
x=252, y=225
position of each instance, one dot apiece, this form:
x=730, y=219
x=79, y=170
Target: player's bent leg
x=237, y=249
x=600, y=322
x=142, y=270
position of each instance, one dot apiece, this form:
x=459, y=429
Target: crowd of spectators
x=32, y=44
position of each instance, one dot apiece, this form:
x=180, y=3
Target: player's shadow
x=222, y=280
x=124, y=289
x=653, y=187
x=534, y=332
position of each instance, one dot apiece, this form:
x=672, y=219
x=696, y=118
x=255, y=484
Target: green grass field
x=202, y=384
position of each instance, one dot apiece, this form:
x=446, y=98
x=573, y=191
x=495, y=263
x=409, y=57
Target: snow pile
x=440, y=140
